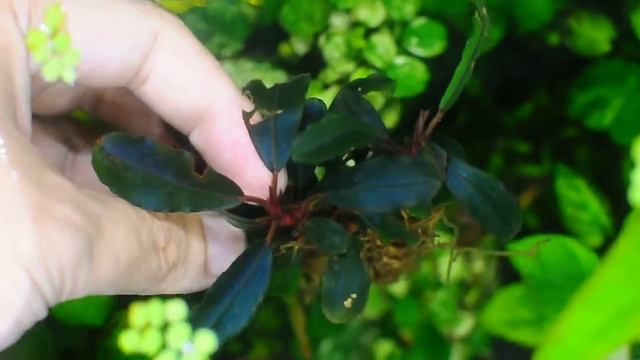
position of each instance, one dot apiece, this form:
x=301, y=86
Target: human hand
x=58, y=238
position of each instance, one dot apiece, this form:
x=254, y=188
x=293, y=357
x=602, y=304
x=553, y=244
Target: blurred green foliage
x=552, y=109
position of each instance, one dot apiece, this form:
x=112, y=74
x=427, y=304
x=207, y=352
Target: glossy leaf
x=604, y=313
x=314, y=110
x=606, y=96
x=584, y=212
x=390, y=229
x=332, y=137
x=470, y=54
x=231, y=301
x=410, y=74
x=345, y=285
x=282, y=107
x=425, y=37
x=484, y=198
x=383, y=184
x=327, y=235
x=158, y=178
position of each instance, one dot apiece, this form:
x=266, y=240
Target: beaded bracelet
x=51, y=48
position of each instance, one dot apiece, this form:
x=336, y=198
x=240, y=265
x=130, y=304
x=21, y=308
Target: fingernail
x=224, y=243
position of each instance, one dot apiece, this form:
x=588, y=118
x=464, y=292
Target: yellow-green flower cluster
x=160, y=330
x=51, y=48
x=633, y=192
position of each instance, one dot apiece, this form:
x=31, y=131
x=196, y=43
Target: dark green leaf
x=332, y=137
x=354, y=105
x=373, y=82
x=281, y=107
x=158, y=178
x=452, y=147
x=485, y=198
x=314, y=110
x=327, y=235
x=345, y=285
x=383, y=184
x=470, y=54
x=230, y=303
x=434, y=158
x=92, y=311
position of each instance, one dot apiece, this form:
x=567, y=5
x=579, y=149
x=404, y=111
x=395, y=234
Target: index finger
x=134, y=44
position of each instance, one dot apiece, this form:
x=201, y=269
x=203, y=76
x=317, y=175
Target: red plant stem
x=432, y=125
x=272, y=231
x=256, y=200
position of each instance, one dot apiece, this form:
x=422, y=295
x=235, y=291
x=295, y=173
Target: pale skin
x=62, y=235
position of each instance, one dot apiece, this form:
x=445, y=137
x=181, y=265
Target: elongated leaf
x=158, y=178
x=470, y=54
x=352, y=104
x=605, y=313
x=327, y=235
x=281, y=107
x=345, y=285
x=230, y=303
x=332, y=137
x=383, y=184
x=485, y=198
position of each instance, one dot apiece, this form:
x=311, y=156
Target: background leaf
x=410, y=74
x=327, y=235
x=90, y=311
x=383, y=184
x=282, y=107
x=584, y=213
x=485, y=198
x=158, y=178
x=425, y=37
x=604, y=314
x=231, y=301
x=470, y=54
x=345, y=285
x=606, y=96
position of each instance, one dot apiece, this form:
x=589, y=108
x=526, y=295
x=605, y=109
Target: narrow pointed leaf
x=327, y=235
x=383, y=184
x=231, y=302
x=281, y=107
x=485, y=198
x=155, y=177
x=332, y=137
x=470, y=54
x=345, y=285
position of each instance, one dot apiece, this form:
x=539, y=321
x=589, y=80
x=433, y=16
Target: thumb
x=134, y=251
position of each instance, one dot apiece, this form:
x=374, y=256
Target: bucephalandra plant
x=160, y=330
x=360, y=206
x=51, y=48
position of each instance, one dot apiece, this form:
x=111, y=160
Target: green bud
x=62, y=42
x=151, y=342
x=52, y=70
x=54, y=18
x=128, y=341
x=156, y=311
x=205, y=341
x=36, y=39
x=178, y=334
x=137, y=315
x=176, y=310
x=167, y=355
